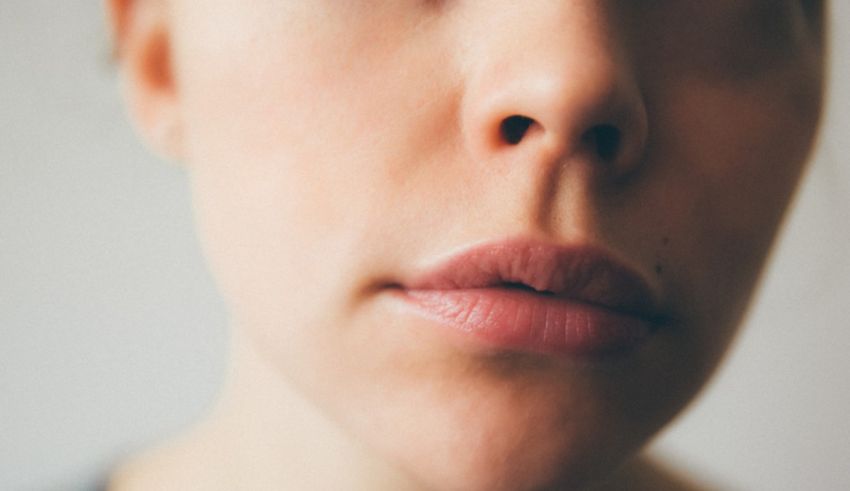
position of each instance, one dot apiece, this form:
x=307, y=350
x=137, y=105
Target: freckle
x=658, y=269
x=665, y=240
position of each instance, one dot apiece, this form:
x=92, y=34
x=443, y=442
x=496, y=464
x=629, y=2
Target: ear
x=143, y=46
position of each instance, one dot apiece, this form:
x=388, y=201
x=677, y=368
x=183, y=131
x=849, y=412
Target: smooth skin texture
x=334, y=146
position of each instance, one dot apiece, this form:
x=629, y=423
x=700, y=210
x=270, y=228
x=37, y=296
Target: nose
x=556, y=85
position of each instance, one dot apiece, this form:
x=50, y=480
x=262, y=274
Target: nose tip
x=580, y=99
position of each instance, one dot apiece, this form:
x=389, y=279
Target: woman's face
x=341, y=150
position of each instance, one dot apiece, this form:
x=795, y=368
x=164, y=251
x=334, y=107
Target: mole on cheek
x=659, y=269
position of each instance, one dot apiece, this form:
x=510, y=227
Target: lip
x=532, y=296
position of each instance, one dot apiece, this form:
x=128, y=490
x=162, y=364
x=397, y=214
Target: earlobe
x=143, y=45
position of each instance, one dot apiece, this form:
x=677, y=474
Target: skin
x=335, y=146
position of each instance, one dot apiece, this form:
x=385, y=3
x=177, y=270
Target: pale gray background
x=112, y=335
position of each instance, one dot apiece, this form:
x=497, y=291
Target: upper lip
x=579, y=273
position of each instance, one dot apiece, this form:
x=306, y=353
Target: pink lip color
x=535, y=297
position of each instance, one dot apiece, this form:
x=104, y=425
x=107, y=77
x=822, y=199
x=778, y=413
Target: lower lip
x=515, y=320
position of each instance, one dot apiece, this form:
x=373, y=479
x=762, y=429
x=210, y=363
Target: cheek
x=730, y=161
x=299, y=152
x=264, y=197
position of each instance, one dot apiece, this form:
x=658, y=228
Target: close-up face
x=501, y=243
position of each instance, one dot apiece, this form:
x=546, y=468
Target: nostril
x=606, y=141
x=514, y=128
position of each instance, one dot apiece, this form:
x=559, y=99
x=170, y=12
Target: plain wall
x=112, y=335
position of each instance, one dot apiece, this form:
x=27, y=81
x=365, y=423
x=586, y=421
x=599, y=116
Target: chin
x=516, y=462
x=499, y=436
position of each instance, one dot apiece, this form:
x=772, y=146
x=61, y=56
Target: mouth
x=536, y=297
